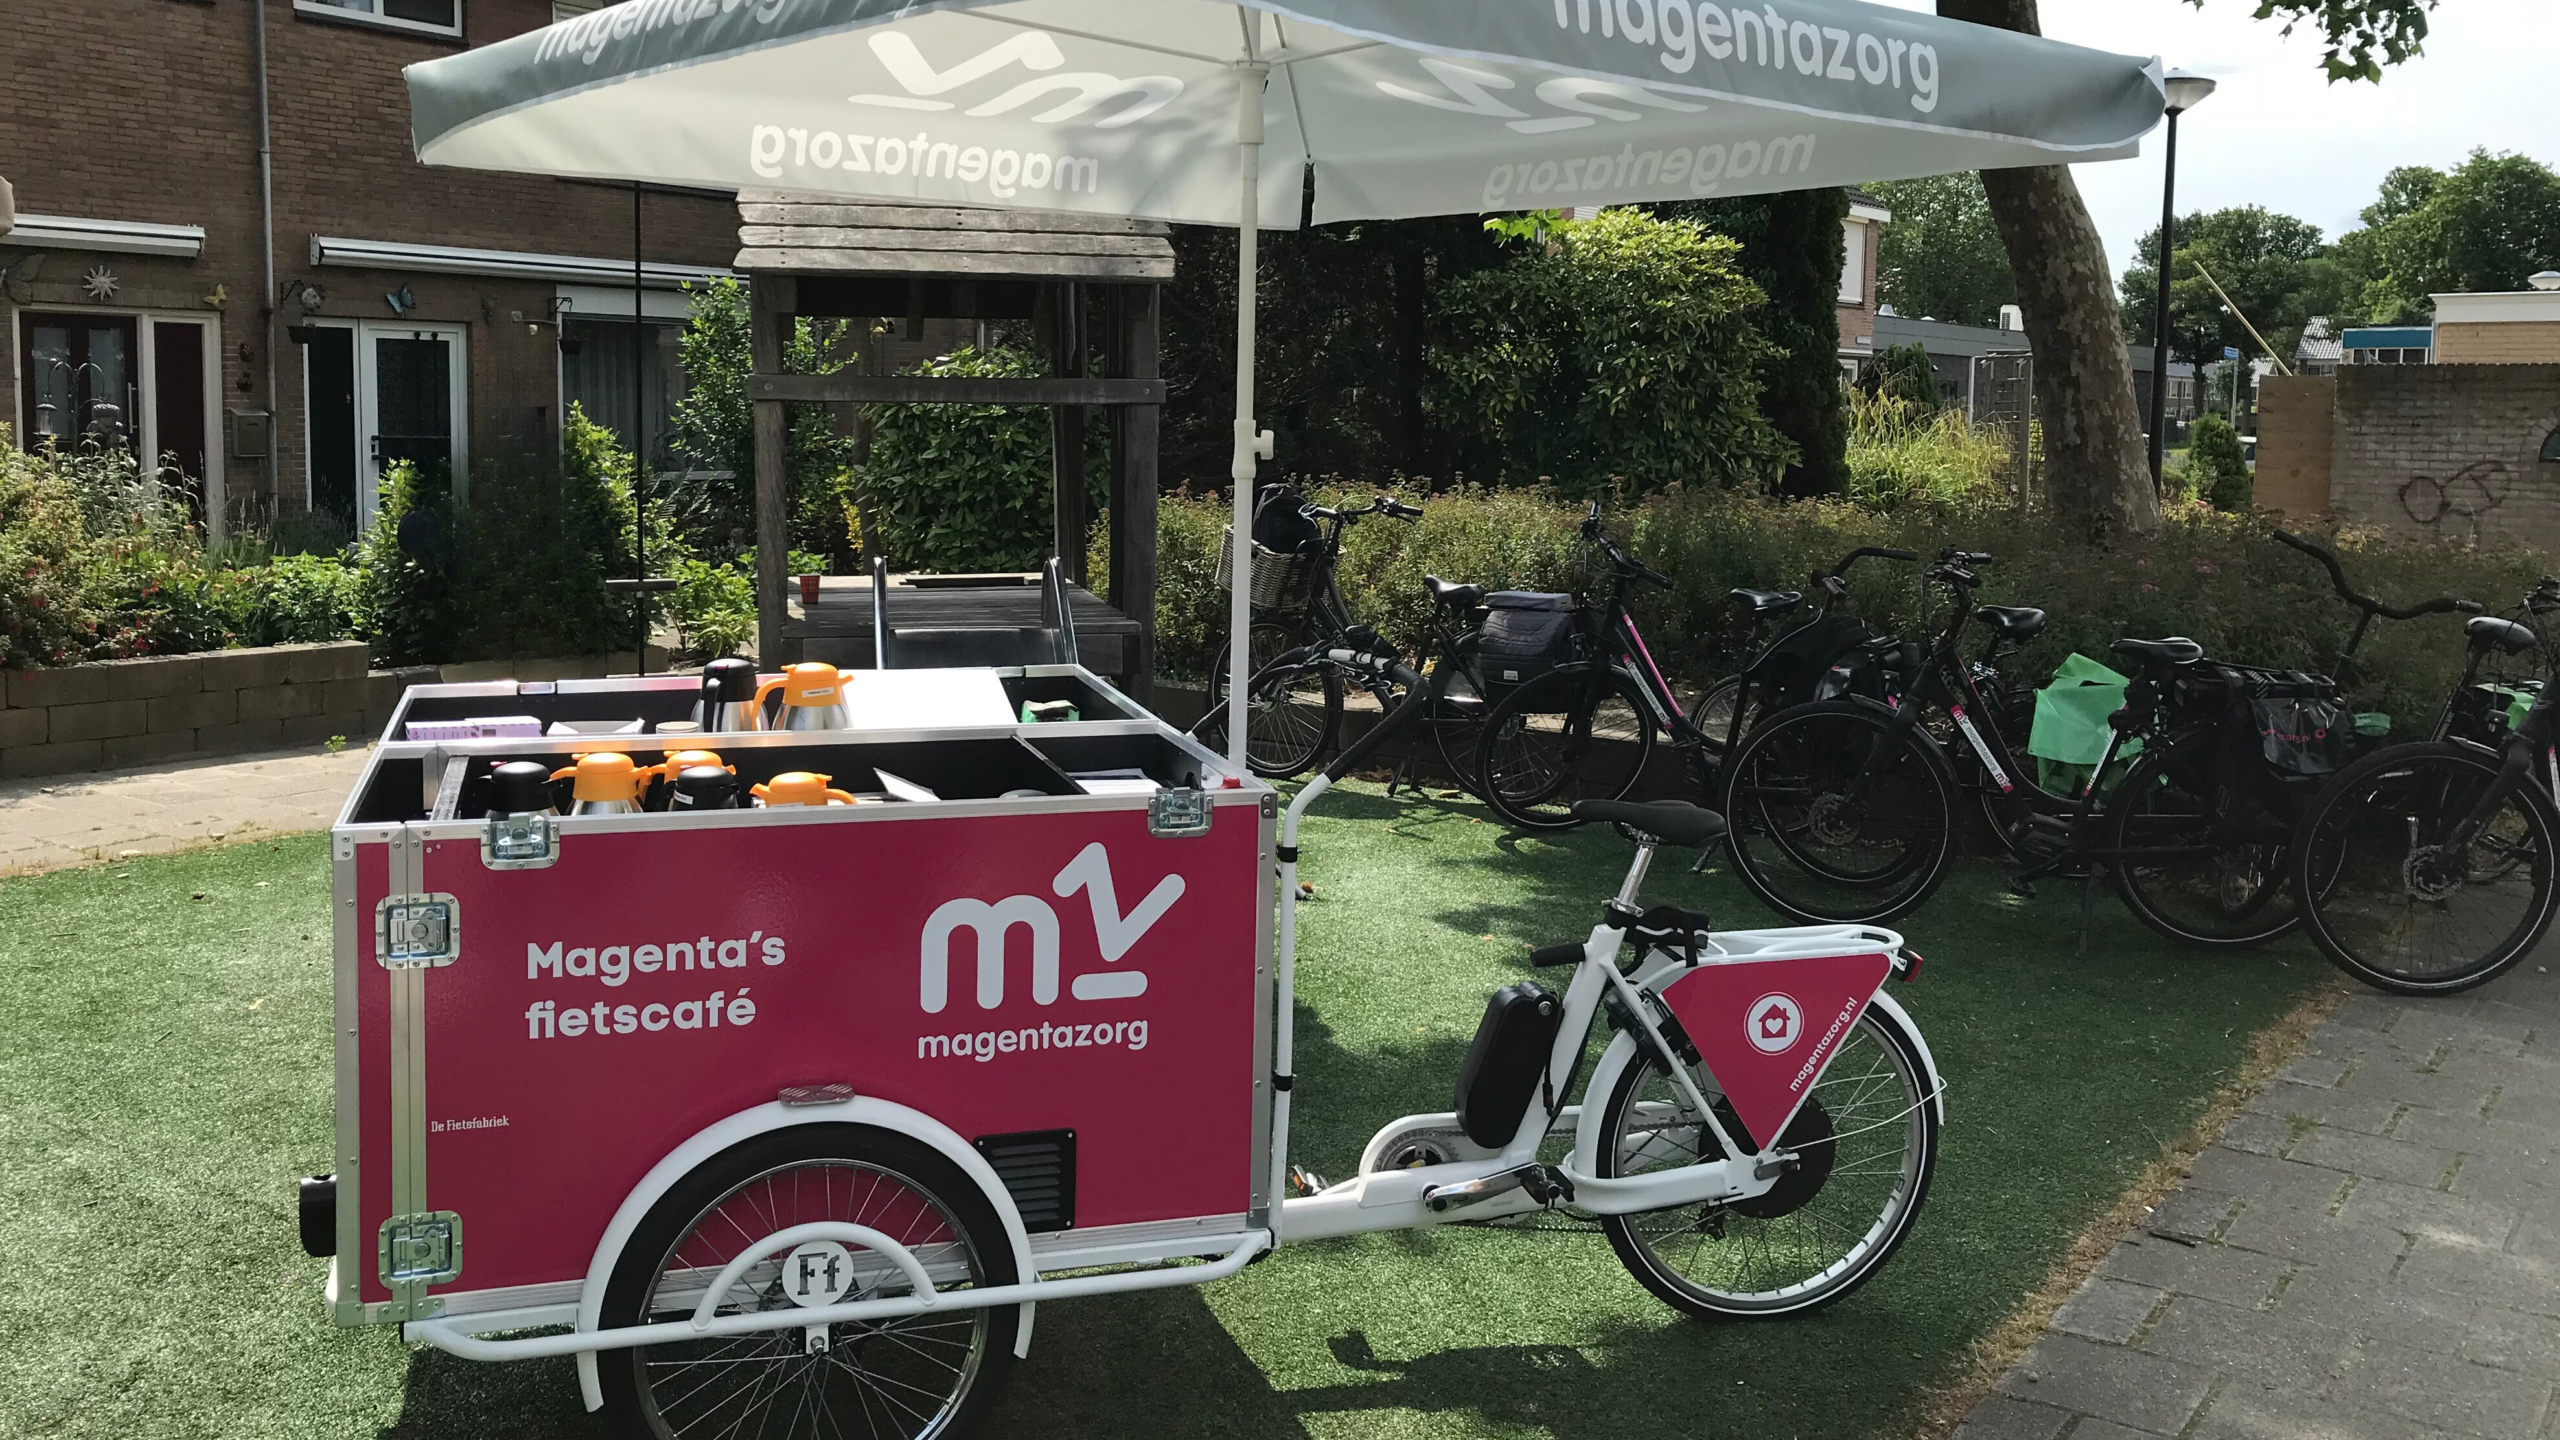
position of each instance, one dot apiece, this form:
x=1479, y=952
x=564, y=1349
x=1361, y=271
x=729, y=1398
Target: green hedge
x=2215, y=577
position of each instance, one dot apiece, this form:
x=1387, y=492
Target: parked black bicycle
x=1844, y=810
x=1796, y=666
x=2430, y=865
x=1295, y=699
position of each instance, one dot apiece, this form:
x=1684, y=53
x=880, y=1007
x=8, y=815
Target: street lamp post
x=2185, y=93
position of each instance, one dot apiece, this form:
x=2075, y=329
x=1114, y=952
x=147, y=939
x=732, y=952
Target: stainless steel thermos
x=728, y=703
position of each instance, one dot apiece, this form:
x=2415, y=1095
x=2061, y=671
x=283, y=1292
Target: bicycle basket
x=1280, y=582
x=1525, y=635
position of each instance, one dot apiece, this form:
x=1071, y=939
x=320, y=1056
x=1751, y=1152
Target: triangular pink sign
x=1768, y=1027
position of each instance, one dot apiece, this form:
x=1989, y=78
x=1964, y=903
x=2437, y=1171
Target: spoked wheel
x=1578, y=732
x=1866, y=1141
x=1292, y=713
x=2203, y=869
x=1836, y=819
x=1712, y=716
x=929, y=1375
x=2402, y=908
x=1457, y=718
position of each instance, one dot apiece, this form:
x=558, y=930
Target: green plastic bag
x=2373, y=724
x=2070, y=732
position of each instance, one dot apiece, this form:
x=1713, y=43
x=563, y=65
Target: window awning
x=119, y=237
x=346, y=253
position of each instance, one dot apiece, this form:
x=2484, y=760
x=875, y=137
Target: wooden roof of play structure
x=792, y=235
x=1088, y=285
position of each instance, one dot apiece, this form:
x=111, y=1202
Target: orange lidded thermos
x=799, y=787
x=812, y=699
x=605, y=783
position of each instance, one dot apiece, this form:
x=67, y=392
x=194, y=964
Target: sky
x=2277, y=133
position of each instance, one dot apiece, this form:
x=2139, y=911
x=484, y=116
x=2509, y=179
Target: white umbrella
x=1400, y=107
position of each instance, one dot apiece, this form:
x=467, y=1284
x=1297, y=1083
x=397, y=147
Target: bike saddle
x=1456, y=597
x=2174, y=650
x=2507, y=635
x=2011, y=622
x=1767, y=602
x=1673, y=822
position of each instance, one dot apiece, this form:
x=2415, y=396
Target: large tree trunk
x=2096, y=470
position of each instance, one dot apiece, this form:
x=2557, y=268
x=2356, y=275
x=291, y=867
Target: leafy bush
x=2216, y=577
x=519, y=572
x=959, y=488
x=1902, y=372
x=714, y=605
x=1625, y=346
x=1900, y=452
x=2217, y=468
x=291, y=600
x=715, y=422
x=45, y=613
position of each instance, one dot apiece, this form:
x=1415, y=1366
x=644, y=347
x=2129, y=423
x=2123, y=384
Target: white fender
x=1919, y=1042
x=1622, y=1052
x=764, y=1119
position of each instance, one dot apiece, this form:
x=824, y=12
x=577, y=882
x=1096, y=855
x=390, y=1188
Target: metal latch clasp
x=1178, y=812
x=410, y=931
x=422, y=1249
x=520, y=842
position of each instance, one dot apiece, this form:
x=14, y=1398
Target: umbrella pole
x=1249, y=444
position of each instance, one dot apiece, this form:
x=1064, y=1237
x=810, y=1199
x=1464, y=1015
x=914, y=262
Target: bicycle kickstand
x=1397, y=779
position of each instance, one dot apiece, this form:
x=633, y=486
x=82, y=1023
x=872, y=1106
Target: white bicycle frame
x=1480, y=1184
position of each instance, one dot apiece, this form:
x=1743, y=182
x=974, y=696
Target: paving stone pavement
x=75, y=819
x=2370, y=1251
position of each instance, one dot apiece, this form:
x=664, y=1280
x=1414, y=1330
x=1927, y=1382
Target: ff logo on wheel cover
x=1775, y=1022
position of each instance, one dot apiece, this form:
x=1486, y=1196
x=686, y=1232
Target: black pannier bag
x=1798, y=665
x=1525, y=635
x=2297, y=725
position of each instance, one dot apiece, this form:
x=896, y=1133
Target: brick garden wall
x=2447, y=452
x=167, y=707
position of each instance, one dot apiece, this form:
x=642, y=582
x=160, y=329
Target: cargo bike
x=786, y=1119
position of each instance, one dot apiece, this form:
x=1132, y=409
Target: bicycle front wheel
x=2193, y=863
x=1838, y=818
x=1292, y=713
x=2397, y=904
x=1713, y=715
x=1578, y=732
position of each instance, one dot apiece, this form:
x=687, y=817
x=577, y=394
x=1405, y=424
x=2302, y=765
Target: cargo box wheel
x=929, y=1375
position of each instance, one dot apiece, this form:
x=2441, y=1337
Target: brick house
x=1867, y=217
x=446, y=315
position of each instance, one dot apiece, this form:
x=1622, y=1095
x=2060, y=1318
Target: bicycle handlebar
x=1416, y=693
x=2338, y=581
x=1627, y=564
x=1390, y=505
x=1863, y=552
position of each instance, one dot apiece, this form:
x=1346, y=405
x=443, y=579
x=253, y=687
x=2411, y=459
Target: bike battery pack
x=1511, y=1047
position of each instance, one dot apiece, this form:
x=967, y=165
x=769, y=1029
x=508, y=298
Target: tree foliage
x=1940, y=257
x=2485, y=225
x=715, y=507
x=2275, y=266
x=1793, y=248
x=962, y=488
x=1903, y=373
x=2360, y=36
x=1623, y=346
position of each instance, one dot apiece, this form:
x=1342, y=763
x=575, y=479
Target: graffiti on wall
x=2454, y=506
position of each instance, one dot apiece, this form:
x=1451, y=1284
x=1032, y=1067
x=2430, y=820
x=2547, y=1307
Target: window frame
x=323, y=10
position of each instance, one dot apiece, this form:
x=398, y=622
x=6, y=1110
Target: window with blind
x=435, y=17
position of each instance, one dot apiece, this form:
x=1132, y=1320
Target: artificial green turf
x=164, y=1073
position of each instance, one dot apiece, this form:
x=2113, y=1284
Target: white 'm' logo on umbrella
x=1033, y=50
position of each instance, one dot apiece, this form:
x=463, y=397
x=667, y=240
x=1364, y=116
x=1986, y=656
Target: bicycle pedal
x=1305, y=1181
x=2023, y=889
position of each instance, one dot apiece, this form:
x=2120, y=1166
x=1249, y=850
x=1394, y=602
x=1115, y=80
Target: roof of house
x=794, y=234
x=2389, y=337
x=1940, y=338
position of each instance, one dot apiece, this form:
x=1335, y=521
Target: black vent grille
x=1038, y=1168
